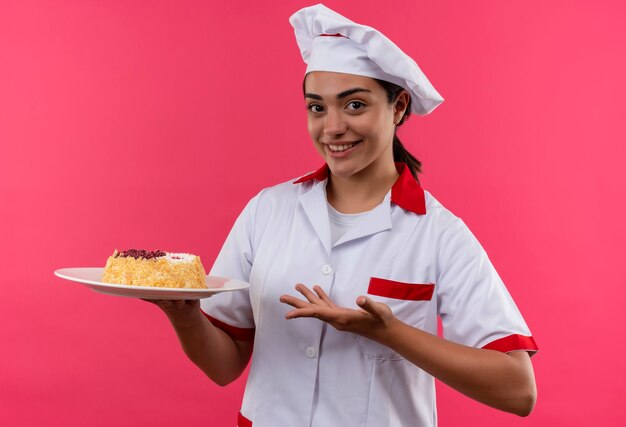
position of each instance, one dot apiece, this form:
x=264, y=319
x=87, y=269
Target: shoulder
x=450, y=229
x=453, y=232
x=280, y=197
x=286, y=190
x=438, y=214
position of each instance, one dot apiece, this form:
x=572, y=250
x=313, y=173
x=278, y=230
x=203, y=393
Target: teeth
x=341, y=147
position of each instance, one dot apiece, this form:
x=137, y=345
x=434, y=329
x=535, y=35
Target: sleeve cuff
x=513, y=343
x=239, y=334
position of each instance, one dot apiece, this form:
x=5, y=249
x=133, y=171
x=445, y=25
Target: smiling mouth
x=343, y=147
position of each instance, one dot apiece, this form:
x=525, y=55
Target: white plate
x=91, y=277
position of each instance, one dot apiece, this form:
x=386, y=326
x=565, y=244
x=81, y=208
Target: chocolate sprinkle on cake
x=141, y=253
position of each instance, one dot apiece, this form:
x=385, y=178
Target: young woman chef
x=349, y=266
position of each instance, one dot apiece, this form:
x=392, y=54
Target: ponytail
x=401, y=154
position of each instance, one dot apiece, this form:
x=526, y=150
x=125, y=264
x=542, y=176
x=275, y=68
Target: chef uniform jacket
x=409, y=252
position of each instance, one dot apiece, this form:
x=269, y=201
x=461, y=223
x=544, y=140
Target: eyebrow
x=339, y=95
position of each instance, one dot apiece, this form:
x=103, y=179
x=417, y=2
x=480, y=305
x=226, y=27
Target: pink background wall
x=150, y=124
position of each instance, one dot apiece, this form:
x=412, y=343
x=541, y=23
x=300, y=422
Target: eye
x=315, y=108
x=355, y=105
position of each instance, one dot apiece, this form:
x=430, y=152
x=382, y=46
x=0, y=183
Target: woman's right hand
x=180, y=312
x=219, y=356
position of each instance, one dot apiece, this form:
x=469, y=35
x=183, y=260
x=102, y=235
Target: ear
x=400, y=105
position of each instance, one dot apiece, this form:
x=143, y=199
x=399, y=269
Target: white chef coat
x=341, y=223
x=409, y=252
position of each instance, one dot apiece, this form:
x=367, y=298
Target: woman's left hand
x=371, y=321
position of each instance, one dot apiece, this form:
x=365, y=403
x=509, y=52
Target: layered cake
x=161, y=269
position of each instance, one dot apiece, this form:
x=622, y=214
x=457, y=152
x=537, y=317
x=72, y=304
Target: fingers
x=293, y=301
x=169, y=305
x=303, y=312
x=320, y=292
x=373, y=308
x=160, y=302
x=319, y=298
x=326, y=314
x=314, y=306
x=308, y=294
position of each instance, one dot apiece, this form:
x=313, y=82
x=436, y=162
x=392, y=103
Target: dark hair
x=401, y=154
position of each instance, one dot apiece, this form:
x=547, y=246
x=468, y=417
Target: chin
x=343, y=171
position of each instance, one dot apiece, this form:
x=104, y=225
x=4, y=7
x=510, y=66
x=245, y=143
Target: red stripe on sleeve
x=239, y=334
x=513, y=343
x=400, y=290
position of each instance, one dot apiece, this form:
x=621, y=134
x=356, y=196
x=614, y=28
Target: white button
x=327, y=269
x=310, y=352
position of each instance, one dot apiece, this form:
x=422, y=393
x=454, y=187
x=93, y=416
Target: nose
x=334, y=124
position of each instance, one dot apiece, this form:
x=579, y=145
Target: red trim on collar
x=243, y=421
x=406, y=192
x=320, y=175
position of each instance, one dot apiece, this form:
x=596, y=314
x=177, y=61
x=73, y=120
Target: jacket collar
x=405, y=192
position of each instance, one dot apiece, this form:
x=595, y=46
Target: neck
x=362, y=191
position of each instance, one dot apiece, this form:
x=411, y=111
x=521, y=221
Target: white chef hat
x=331, y=42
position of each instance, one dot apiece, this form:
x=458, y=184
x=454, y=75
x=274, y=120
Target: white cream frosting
x=179, y=257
